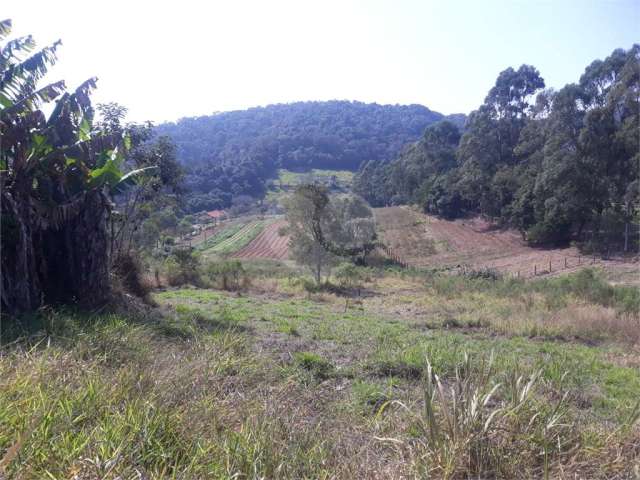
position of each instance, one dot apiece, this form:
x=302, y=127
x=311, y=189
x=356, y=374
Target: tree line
x=557, y=165
x=229, y=154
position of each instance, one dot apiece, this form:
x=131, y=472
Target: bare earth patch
x=426, y=241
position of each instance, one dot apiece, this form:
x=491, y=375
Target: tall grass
x=588, y=284
x=477, y=424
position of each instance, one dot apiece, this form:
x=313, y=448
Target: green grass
x=233, y=238
x=399, y=349
x=283, y=384
x=344, y=178
x=222, y=235
x=338, y=180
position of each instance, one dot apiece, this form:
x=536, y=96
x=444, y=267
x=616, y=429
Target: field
x=336, y=180
x=414, y=373
x=426, y=241
x=232, y=238
x=343, y=178
x=268, y=244
x=273, y=382
x=247, y=238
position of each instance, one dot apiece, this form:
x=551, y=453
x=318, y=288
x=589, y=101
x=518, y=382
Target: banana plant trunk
x=47, y=263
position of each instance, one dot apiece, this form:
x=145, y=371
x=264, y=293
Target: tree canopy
x=234, y=153
x=558, y=165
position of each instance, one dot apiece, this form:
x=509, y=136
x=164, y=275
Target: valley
x=326, y=289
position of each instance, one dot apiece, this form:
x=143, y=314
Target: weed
x=314, y=363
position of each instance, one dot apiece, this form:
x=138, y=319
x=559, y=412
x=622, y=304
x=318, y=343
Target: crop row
x=240, y=238
x=220, y=236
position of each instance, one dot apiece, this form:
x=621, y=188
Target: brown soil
x=268, y=244
x=426, y=241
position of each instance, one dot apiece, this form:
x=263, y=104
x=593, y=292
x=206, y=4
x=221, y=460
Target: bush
x=543, y=234
x=183, y=267
x=483, y=273
x=130, y=271
x=349, y=276
x=230, y=274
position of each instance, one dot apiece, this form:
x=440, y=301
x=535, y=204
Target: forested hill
x=233, y=153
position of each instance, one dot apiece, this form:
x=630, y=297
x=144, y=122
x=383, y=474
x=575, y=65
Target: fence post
x=549, y=265
x=565, y=262
x=535, y=270
x=579, y=259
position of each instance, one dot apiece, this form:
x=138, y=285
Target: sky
x=165, y=60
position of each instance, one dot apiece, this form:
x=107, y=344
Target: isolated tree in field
x=352, y=230
x=323, y=229
x=300, y=210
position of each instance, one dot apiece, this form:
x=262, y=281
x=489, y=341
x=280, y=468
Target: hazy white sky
x=169, y=59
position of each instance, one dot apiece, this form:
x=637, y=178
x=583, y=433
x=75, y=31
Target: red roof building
x=217, y=214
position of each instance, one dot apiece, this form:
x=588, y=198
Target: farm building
x=217, y=215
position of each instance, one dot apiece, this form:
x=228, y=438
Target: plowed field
x=426, y=241
x=268, y=244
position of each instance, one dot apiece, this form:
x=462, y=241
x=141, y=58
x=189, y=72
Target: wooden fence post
x=535, y=270
x=549, y=265
x=565, y=262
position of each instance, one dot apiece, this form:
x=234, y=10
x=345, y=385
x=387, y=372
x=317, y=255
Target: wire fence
x=554, y=264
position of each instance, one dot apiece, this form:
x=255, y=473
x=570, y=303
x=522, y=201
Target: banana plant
x=58, y=174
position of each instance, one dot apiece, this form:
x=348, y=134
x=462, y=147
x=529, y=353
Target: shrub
x=484, y=273
x=349, y=276
x=129, y=269
x=183, y=267
x=230, y=274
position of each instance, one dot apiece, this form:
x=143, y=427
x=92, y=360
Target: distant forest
x=230, y=154
x=557, y=165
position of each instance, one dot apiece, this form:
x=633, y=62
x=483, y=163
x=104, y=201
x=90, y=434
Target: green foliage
x=349, y=275
x=236, y=153
x=403, y=180
x=556, y=165
x=183, y=267
x=314, y=363
x=230, y=274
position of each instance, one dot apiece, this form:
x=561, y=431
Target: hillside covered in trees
x=234, y=153
x=557, y=165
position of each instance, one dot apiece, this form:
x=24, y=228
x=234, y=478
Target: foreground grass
x=281, y=384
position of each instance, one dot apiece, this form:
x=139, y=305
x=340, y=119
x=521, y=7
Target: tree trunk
x=77, y=257
x=626, y=237
x=20, y=286
x=43, y=263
